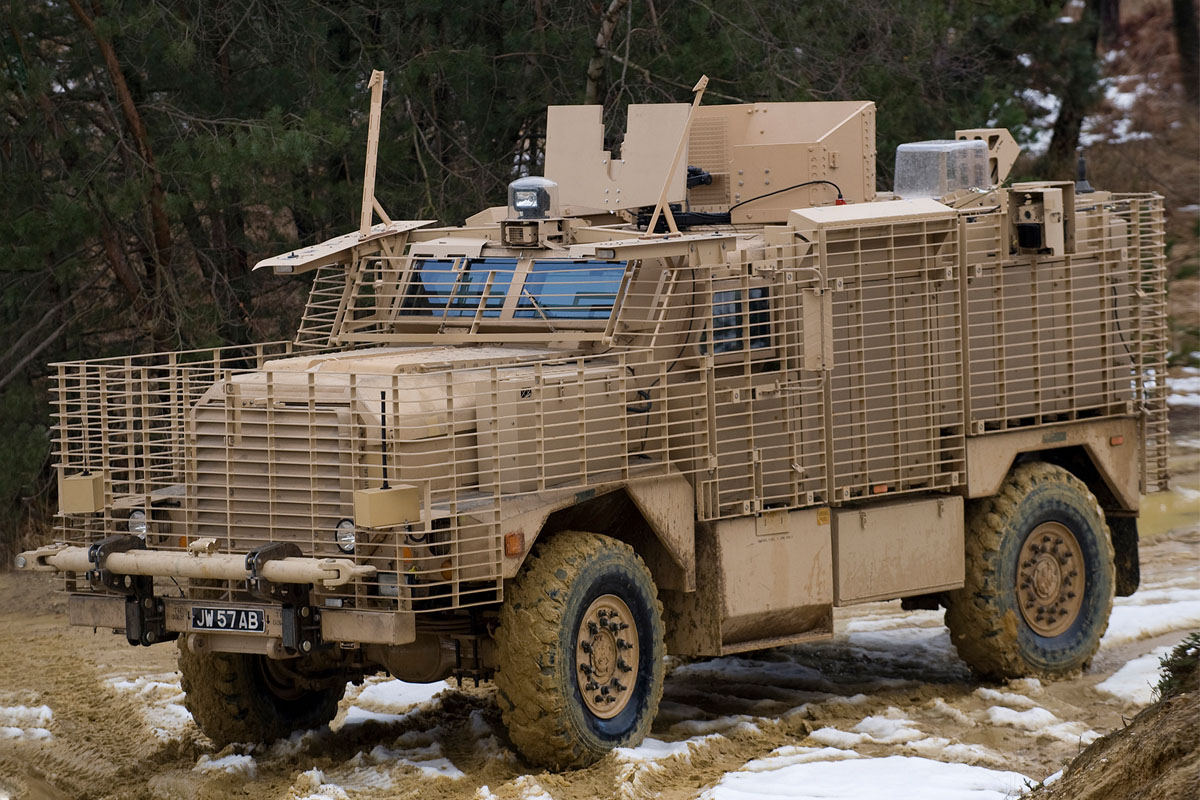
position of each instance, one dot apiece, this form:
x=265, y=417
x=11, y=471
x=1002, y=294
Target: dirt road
x=83, y=715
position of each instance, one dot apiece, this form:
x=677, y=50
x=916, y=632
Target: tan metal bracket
x=663, y=206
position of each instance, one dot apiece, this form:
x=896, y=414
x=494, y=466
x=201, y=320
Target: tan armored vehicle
x=689, y=399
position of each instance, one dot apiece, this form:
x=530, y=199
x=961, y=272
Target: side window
x=760, y=318
x=737, y=322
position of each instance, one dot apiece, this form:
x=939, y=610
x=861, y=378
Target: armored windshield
x=456, y=287
x=579, y=290
x=571, y=289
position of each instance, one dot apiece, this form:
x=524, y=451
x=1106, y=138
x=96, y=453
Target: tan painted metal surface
x=1113, y=445
x=735, y=385
x=326, y=572
x=896, y=549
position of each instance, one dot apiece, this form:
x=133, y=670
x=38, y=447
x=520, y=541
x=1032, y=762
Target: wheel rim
x=278, y=679
x=1050, y=579
x=606, y=652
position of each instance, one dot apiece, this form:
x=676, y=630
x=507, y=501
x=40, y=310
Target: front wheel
x=581, y=649
x=1039, y=577
x=238, y=697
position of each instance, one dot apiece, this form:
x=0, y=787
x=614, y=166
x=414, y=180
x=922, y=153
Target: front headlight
x=345, y=536
x=137, y=523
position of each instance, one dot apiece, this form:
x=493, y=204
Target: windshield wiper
x=538, y=308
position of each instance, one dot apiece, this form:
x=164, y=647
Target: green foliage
x=1180, y=669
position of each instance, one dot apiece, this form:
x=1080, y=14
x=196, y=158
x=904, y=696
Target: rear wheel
x=581, y=651
x=238, y=697
x=1039, y=577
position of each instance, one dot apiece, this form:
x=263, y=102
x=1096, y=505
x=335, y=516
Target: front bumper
x=121, y=572
x=197, y=563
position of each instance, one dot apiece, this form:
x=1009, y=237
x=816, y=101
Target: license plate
x=241, y=620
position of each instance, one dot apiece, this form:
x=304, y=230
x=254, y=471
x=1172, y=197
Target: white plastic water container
x=937, y=168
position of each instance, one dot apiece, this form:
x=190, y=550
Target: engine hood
x=422, y=391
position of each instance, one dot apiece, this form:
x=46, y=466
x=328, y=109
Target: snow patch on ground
x=530, y=789
x=380, y=769
x=942, y=749
x=1183, y=400
x=1041, y=722
x=792, y=754
x=386, y=700
x=739, y=723
x=907, y=644
x=396, y=696
x=1188, y=385
x=162, y=702
x=311, y=785
x=1151, y=613
x=239, y=765
x=894, y=777
x=487, y=743
x=658, y=750
x=1010, y=699
x=891, y=727
x=1121, y=93
x=1134, y=683
x=26, y=722
x=417, y=750
x=942, y=708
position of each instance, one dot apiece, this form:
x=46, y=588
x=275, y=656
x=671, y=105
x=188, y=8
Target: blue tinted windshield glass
x=435, y=282
x=570, y=290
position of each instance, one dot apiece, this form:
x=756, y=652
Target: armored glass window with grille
x=577, y=290
x=730, y=314
x=436, y=284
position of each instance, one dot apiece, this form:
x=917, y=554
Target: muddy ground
x=83, y=715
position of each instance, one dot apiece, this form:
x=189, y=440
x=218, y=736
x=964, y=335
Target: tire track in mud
x=99, y=736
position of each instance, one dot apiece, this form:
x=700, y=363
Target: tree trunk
x=1187, y=39
x=160, y=224
x=1076, y=94
x=594, y=93
x=1110, y=23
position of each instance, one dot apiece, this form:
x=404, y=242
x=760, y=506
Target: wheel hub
x=1050, y=580
x=606, y=652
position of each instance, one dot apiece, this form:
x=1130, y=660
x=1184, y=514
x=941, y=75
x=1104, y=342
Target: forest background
x=151, y=151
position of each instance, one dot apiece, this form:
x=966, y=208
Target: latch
x=300, y=621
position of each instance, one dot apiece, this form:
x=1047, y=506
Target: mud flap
x=1125, y=554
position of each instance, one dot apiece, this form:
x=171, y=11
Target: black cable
x=788, y=189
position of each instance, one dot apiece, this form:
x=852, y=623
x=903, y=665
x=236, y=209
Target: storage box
x=381, y=508
x=81, y=494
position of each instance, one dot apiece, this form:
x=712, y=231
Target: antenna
x=1081, y=180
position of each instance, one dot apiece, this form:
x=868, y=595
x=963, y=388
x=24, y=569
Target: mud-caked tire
x=1039, y=577
x=580, y=644
x=239, y=697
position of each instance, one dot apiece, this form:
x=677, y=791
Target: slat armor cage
x=771, y=370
